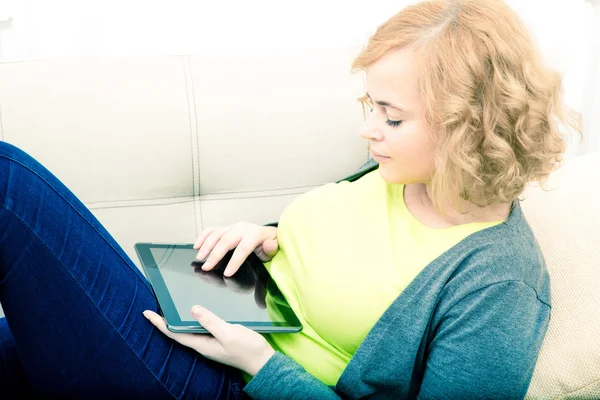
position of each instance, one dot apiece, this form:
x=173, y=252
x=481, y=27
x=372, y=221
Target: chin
x=389, y=176
x=395, y=177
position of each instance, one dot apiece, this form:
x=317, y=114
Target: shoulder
x=504, y=253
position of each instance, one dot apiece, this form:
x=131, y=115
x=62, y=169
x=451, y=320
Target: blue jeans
x=73, y=302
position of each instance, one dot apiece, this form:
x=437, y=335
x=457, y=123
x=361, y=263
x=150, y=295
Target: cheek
x=413, y=155
x=412, y=145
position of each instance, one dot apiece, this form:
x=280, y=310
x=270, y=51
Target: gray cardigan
x=469, y=326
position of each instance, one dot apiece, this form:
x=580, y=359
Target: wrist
x=260, y=362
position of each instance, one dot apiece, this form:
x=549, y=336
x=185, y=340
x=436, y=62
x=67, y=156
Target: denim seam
x=189, y=377
x=134, y=298
x=95, y=305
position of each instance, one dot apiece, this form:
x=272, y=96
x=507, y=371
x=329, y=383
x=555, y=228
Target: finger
x=261, y=254
x=227, y=242
x=213, y=324
x=197, y=266
x=240, y=226
x=201, y=343
x=210, y=242
x=159, y=322
x=267, y=250
x=270, y=247
x=155, y=319
x=241, y=252
x=202, y=237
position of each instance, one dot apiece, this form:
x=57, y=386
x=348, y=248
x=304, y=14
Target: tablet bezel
x=169, y=310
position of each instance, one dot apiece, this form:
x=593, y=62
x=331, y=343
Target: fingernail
x=197, y=311
x=226, y=272
x=146, y=313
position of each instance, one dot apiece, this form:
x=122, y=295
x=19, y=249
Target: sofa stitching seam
x=211, y=194
x=97, y=206
x=195, y=114
x=187, y=97
x=583, y=387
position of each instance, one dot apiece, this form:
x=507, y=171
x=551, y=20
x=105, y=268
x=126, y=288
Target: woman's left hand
x=230, y=344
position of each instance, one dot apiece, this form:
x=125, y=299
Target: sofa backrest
x=215, y=126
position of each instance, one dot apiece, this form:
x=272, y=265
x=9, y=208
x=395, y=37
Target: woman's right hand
x=244, y=237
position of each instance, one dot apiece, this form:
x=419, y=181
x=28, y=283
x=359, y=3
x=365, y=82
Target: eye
x=393, y=123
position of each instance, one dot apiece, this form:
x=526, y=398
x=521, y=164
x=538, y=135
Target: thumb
x=270, y=247
x=209, y=321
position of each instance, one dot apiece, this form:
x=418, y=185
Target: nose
x=370, y=130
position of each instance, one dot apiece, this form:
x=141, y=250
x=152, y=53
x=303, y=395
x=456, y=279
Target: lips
x=378, y=155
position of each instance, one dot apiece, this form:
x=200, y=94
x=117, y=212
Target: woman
x=417, y=276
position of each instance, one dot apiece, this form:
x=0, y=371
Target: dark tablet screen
x=250, y=297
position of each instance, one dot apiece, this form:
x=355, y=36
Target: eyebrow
x=386, y=104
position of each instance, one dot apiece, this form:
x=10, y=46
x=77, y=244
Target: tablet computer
x=250, y=297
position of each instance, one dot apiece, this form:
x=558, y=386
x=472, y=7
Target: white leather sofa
x=160, y=147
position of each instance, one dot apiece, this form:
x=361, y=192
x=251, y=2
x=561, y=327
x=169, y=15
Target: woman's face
x=396, y=128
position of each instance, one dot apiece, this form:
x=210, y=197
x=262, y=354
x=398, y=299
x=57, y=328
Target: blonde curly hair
x=495, y=109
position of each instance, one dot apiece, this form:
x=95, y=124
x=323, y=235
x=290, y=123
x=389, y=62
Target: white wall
x=46, y=28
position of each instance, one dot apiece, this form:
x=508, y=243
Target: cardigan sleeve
x=486, y=345
x=283, y=378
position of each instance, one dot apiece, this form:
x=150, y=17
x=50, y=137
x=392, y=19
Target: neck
x=466, y=212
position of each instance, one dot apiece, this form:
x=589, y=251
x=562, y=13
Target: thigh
x=74, y=301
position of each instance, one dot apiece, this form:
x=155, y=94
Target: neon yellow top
x=346, y=252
